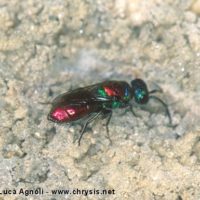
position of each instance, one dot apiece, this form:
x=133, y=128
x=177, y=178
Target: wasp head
x=140, y=91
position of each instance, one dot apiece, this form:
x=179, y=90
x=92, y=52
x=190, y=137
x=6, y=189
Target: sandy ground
x=48, y=47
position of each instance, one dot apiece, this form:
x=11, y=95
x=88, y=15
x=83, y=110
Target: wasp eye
x=140, y=91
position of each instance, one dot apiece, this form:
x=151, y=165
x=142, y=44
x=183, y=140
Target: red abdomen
x=69, y=113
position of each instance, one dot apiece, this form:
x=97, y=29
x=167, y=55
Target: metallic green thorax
x=102, y=92
x=115, y=103
x=127, y=96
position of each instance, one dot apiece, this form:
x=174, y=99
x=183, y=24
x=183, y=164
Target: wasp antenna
x=157, y=87
x=165, y=106
x=155, y=91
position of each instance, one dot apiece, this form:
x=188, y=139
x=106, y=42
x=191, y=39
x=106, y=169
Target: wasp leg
x=165, y=106
x=130, y=109
x=108, y=115
x=85, y=126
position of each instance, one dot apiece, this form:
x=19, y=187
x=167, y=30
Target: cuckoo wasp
x=88, y=103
